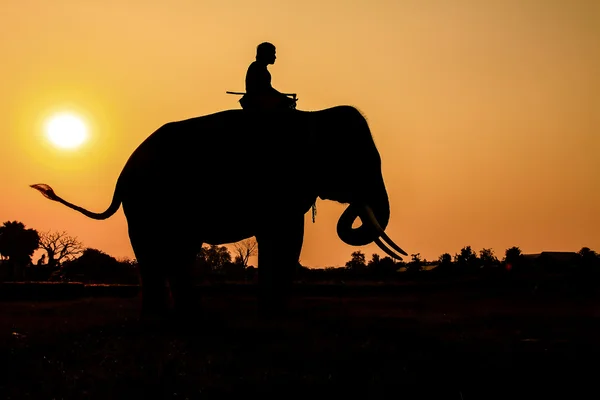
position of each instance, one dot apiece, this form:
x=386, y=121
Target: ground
x=440, y=344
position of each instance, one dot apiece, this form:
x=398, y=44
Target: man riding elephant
x=260, y=94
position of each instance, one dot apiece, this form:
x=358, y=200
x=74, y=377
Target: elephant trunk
x=366, y=233
x=374, y=214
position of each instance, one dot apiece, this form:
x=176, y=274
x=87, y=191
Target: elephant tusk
x=373, y=221
x=389, y=252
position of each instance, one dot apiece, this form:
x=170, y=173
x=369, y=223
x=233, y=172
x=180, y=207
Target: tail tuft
x=46, y=190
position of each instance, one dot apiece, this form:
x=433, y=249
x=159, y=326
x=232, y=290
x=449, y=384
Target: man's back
x=258, y=79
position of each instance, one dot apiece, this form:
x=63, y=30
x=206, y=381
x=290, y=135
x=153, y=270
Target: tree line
x=65, y=258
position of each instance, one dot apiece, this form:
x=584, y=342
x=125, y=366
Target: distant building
x=560, y=256
x=552, y=260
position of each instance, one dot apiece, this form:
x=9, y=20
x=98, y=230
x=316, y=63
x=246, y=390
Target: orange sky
x=486, y=113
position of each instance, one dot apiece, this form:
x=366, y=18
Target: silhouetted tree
x=589, y=260
x=384, y=267
x=213, y=258
x=445, y=261
x=18, y=244
x=357, y=263
x=95, y=266
x=415, y=264
x=233, y=270
x=487, y=258
x=467, y=259
x=445, y=266
x=374, y=261
x=513, y=258
x=244, y=250
x=250, y=272
x=60, y=247
x=587, y=254
x=390, y=266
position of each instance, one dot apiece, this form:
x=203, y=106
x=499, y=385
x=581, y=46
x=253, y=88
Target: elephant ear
x=46, y=190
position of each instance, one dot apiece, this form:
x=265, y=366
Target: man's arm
x=258, y=81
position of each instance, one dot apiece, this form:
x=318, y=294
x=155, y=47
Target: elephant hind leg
x=154, y=291
x=155, y=296
x=185, y=296
x=167, y=288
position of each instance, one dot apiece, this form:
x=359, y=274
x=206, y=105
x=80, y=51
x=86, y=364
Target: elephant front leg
x=279, y=247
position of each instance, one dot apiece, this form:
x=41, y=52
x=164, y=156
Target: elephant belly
x=209, y=204
x=193, y=217
x=226, y=229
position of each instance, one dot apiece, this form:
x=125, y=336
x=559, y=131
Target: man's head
x=265, y=52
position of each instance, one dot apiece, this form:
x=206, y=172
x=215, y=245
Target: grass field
x=440, y=344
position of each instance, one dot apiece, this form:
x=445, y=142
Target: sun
x=66, y=131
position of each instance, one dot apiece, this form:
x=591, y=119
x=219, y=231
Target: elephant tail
x=48, y=192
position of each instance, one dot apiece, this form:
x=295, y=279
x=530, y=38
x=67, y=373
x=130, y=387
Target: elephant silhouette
x=234, y=174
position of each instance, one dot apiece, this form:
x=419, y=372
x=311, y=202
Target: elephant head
x=352, y=166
